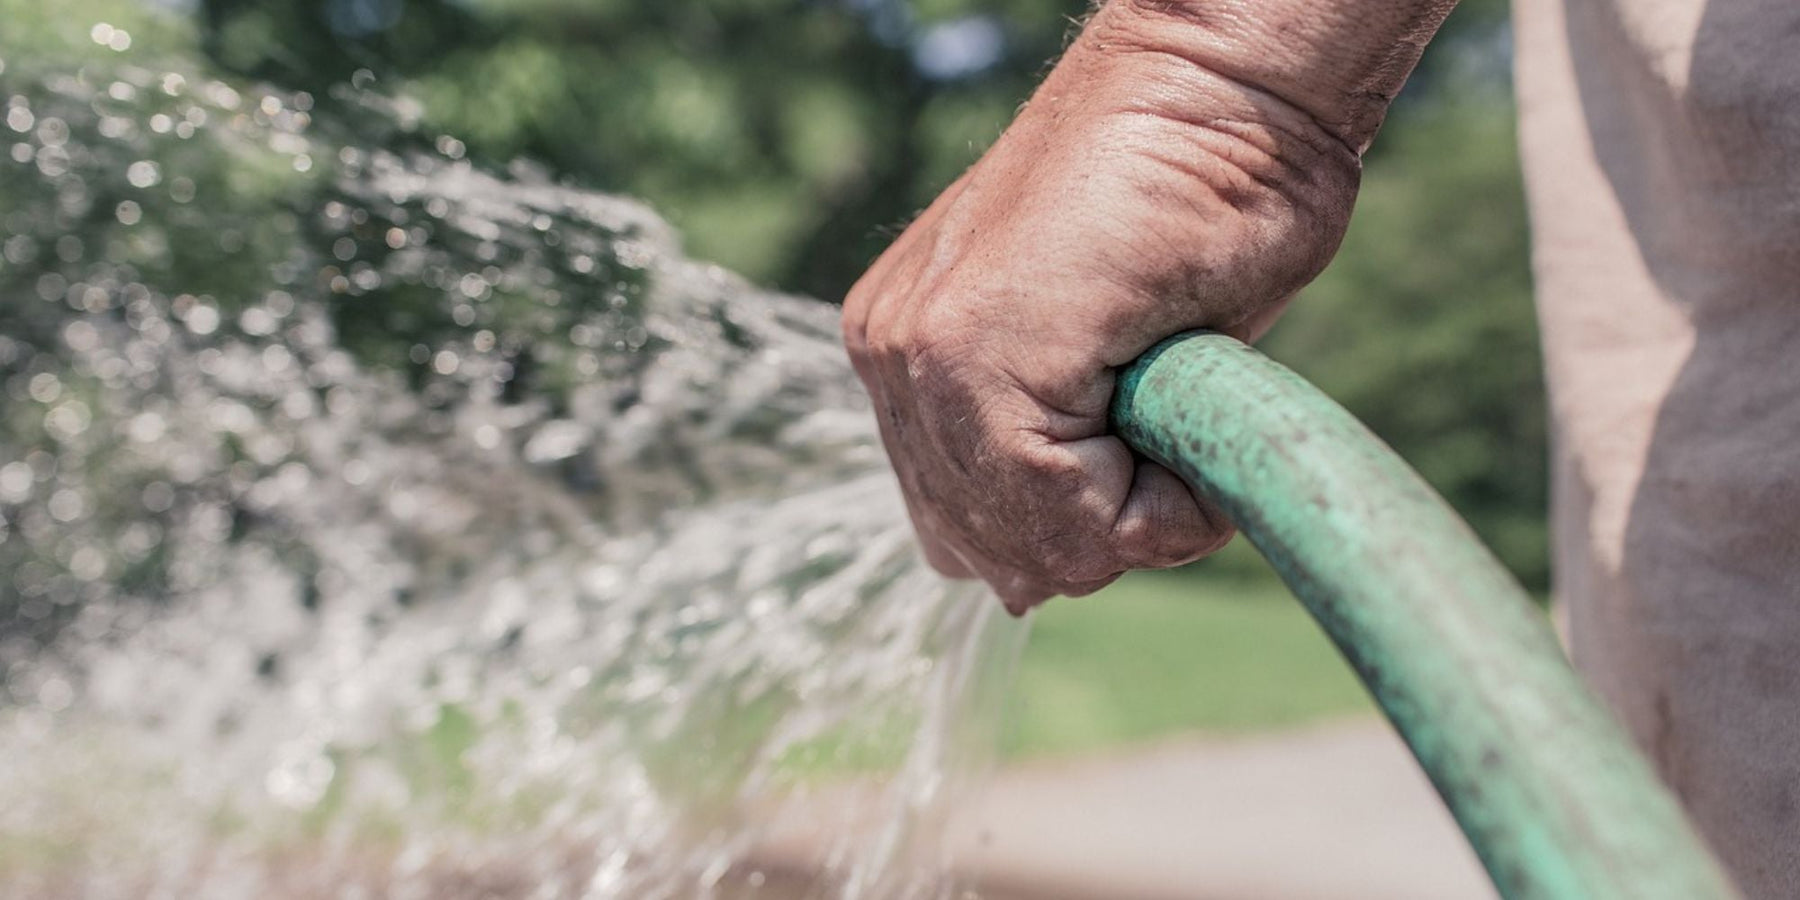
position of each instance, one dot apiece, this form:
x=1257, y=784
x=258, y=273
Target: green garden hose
x=1554, y=798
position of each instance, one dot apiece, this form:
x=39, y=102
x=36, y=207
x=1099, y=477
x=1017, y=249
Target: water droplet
x=19, y=249
x=221, y=95
x=202, y=319
x=52, y=286
x=44, y=387
x=147, y=428
x=68, y=421
x=116, y=128
x=158, y=497
x=52, y=132
x=129, y=212
x=20, y=119
x=16, y=479
x=81, y=336
x=277, y=358
x=257, y=321
x=53, y=162
x=55, y=694
x=556, y=439
x=92, y=298
x=87, y=564
x=66, y=506
x=473, y=286
x=143, y=174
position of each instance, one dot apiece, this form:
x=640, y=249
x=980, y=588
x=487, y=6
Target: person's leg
x=1662, y=153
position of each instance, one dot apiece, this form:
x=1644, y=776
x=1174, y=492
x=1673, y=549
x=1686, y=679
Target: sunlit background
x=787, y=140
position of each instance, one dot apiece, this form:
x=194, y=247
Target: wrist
x=1338, y=64
x=1116, y=99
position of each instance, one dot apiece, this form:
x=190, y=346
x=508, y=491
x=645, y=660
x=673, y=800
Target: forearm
x=1338, y=62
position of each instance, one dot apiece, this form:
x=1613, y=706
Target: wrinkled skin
x=1138, y=194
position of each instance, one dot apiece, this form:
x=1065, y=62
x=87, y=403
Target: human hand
x=1139, y=194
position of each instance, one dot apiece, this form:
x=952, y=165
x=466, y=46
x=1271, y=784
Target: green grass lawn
x=1216, y=648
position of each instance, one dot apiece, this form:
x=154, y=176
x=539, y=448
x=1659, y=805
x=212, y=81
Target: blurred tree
x=780, y=135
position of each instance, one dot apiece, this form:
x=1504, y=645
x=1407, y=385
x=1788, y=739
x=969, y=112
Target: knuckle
x=1069, y=562
x=853, y=326
x=1136, y=536
x=1045, y=464
x=880, y=341
x=942, y=331
x=1062, y=569
x=1142, y=544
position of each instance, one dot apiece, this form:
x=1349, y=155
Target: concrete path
x=1337, y=812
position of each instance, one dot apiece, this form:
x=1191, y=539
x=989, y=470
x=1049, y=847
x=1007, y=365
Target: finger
x=932, y=543
x=939, y=552
x=1163, y=523
x=1087, y=483
x=1020, y=593
x=1253, y=328
x=944, y=559
x=1085, y=588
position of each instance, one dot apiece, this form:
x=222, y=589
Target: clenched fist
x=1147, y=188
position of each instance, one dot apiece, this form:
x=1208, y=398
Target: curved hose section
x=1555, y=800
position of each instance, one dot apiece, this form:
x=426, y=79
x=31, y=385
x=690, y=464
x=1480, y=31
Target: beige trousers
x=1662, y=157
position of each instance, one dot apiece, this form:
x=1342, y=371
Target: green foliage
x=1162, y=652
x=781, y=136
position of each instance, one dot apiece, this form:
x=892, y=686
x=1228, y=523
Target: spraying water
x=372, y=524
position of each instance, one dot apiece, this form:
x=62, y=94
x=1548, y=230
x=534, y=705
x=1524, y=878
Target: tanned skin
x=1188, y=164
